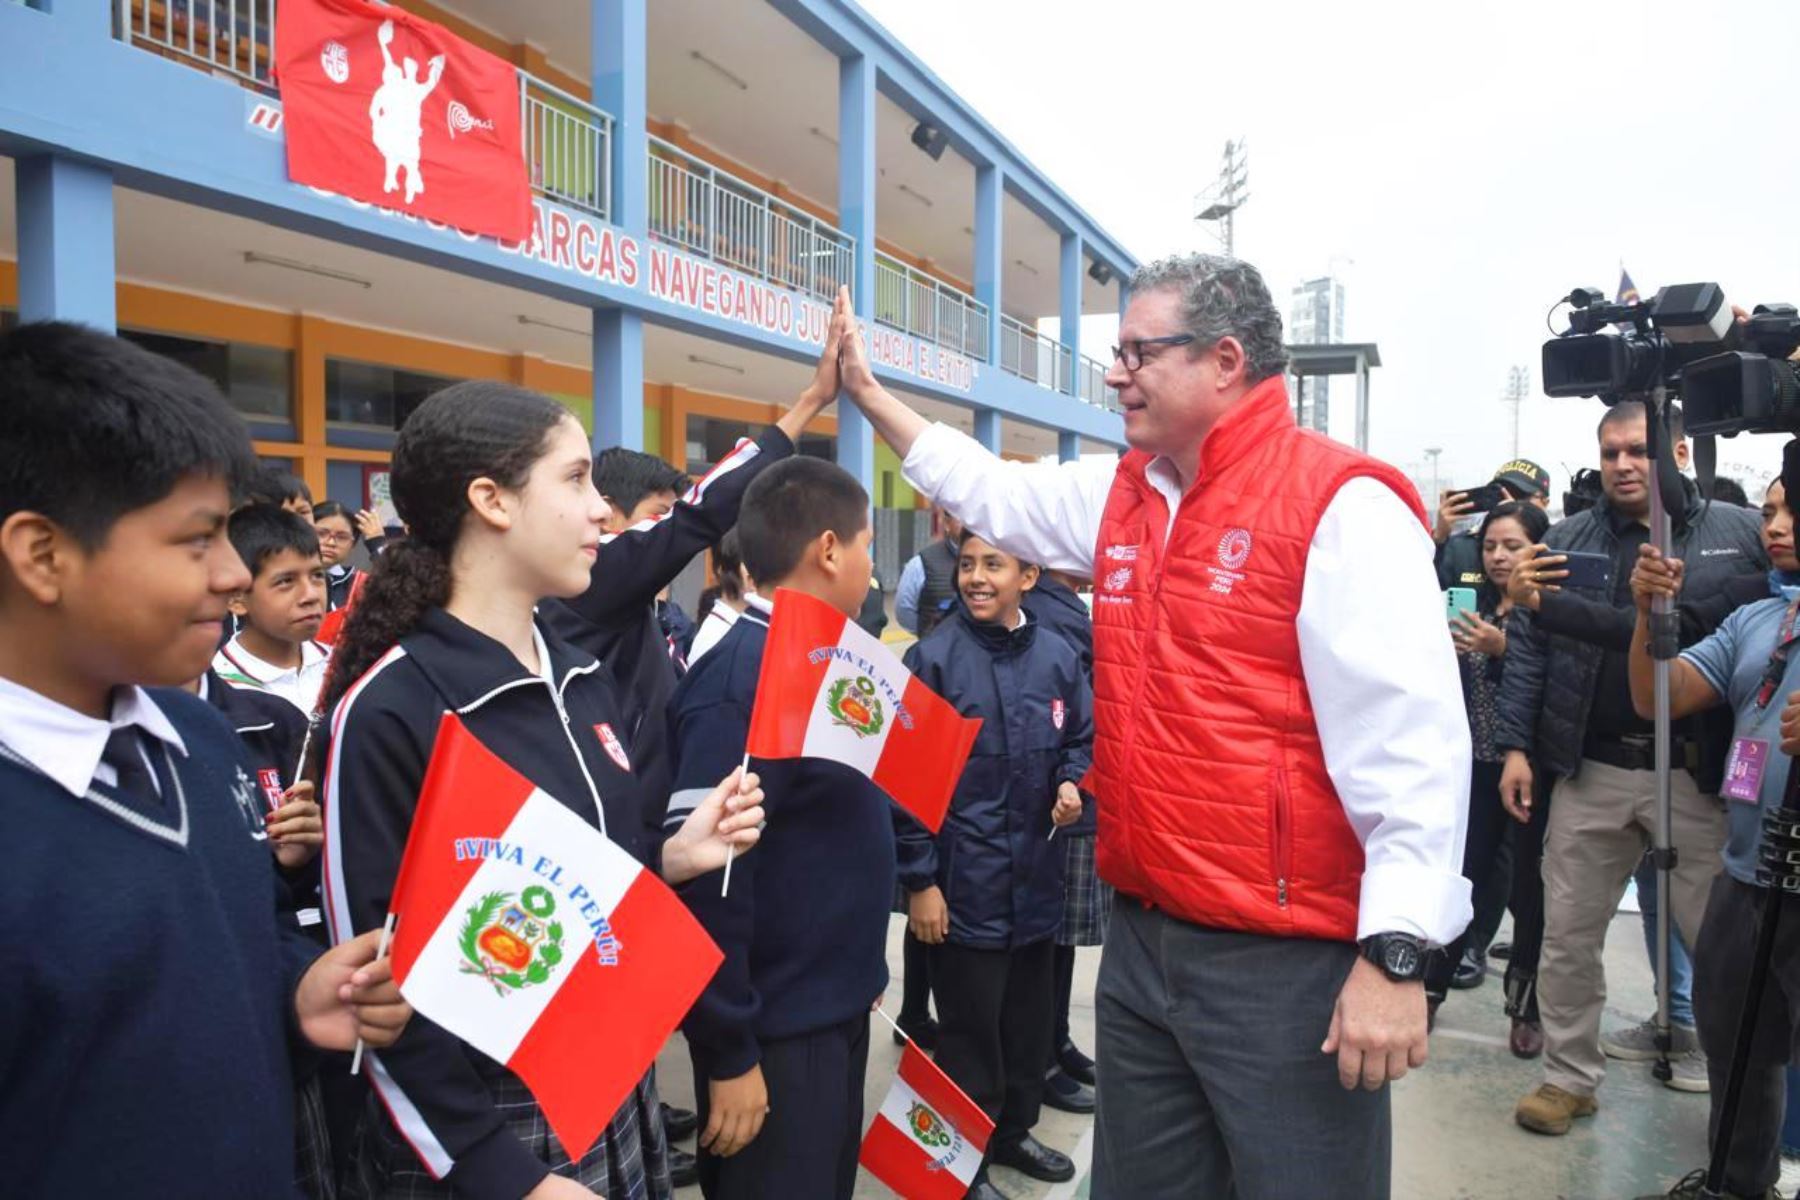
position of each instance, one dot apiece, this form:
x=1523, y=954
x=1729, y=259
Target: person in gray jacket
x=1566, y=705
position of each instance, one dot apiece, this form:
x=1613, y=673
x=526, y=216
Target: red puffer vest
x=1215, y=805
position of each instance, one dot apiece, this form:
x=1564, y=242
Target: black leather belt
x=1633, y=753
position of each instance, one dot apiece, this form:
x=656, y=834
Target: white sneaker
x=1638, y=1043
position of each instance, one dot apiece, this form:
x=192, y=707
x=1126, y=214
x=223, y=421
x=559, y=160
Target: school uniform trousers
x=996, y=1010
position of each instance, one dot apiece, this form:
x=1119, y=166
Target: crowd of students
x=214, y=729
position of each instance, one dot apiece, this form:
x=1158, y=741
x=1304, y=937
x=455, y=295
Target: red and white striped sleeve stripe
x=740, y=454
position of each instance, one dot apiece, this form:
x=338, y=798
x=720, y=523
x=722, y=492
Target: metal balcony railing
x=1092, y=377
x=914, y=302
x=567, y=141
x=717, y=215
x=1030, y=355
x=228, y=37
x=568, y=146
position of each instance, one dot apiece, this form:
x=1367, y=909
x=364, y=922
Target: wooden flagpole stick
x=882, y=1013
x=381, y=949
x=312, y=723
x=730, y=847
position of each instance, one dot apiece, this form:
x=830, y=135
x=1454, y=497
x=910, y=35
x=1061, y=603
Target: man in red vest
x=1281, y=759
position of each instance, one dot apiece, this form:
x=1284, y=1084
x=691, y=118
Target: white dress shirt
x=299, y=686
x=1376, y=654
x=66, y=745
x=717, y=623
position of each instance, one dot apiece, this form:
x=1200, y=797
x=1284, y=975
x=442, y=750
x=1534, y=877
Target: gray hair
x=1222, y=297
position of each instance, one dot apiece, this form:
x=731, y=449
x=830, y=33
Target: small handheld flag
x=828, y=689
x=928, y=1140
x=526, y=933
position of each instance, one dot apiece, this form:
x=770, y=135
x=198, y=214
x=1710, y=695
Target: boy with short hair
x=780, y=1039
x=987, y=889
x=146, y=1035
x=281, y=489
x=280, y=611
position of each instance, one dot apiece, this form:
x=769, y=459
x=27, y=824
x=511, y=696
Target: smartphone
x=1485, y=498
x=1585, y=570
x=1458, y=600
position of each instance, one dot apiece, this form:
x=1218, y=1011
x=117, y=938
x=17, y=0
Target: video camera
x=1732, y=378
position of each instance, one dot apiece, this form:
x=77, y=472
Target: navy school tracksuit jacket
x=273, y=732
x=147, y=1010
x=804, y=930
x=1000, y=871
x=615, y=619
x=435, y=1086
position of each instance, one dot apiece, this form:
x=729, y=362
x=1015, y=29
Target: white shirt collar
x=67, y=745
x=235, y=657
x=765, y=607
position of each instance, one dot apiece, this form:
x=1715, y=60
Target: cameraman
x=1745, y=664
x=1566, y=703
x=1459, y=556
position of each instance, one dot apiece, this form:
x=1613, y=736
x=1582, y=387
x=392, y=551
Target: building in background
x=704, y=176
x=1316, y=318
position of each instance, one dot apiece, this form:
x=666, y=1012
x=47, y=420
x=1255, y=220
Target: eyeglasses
x=1132, y=352
x=335, y=538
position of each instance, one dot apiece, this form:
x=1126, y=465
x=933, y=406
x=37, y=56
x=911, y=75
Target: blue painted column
x=65, y=230
x=856, y=215
x=1071, y=308
x=1068, y=446
x=990, y=251
x=988, y=429
x=620, y=39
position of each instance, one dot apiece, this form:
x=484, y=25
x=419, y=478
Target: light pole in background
x=1437, y=487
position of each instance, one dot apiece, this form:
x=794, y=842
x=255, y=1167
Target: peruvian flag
x=332, y=627
x=522, y=930
x=828, y=689
x=384, y=106
x=928, y=1139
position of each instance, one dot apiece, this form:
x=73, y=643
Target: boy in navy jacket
x=987, y=891
x=780, y=1039
x=152, y=996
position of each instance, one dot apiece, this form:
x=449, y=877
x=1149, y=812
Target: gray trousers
x=1721, y=980
x=1211, y=1079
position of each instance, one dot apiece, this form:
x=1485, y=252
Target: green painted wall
x=887, y=465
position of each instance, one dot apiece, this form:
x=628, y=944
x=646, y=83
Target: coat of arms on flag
x=828, y=689
x=928, y=1140
x=526, y=933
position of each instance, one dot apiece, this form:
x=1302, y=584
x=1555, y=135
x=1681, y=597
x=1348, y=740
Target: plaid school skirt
x=630, y=1161
x=1087, y=902
x=314, y=1175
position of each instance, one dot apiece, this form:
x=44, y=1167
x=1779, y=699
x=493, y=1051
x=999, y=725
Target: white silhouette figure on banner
x=394, y=114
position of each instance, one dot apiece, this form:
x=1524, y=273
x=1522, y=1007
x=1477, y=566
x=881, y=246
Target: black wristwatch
x=1401, y=956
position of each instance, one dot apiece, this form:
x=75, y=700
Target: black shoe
x=1469, y=972
x=983, y=1189
x=684, y=1168
x=1500, y=950
x=1065, y=1094
x=1075, y=1064
x=1031, y=1157
x=679, y=1124
x=923, y=1033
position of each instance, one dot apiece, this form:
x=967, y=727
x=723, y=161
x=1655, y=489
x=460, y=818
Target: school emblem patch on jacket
x=512, y=944
x=852, y=703
x=1058, y=713
x=615, y=749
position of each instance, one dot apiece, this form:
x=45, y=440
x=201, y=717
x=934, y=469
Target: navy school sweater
x=804, y=930
x=147, y=1009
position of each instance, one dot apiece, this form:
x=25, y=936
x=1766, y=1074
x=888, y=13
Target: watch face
x=1401, y=958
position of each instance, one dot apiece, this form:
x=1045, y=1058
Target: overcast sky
x=1459, y=167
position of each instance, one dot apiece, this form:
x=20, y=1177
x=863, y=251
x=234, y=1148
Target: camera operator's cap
x=1524, y=478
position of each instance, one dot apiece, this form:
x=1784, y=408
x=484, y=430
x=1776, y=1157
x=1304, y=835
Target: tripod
x=1665, y=644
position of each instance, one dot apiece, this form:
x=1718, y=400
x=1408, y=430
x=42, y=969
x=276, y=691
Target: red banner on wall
x=383, y=106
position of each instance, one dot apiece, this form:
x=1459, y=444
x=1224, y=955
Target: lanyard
x=1785, y=637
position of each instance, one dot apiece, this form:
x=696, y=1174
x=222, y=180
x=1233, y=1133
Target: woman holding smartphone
x=1506, y=537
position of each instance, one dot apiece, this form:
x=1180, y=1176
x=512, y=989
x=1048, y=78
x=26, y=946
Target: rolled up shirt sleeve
x=1046, y=513
x=1388, y=702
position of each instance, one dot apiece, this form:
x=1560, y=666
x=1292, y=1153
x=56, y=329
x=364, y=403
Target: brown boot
x=1552, y=1110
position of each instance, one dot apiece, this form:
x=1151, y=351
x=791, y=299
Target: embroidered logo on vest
x=1234, y=552
x=1117, y=579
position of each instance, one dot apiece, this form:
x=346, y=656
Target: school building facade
x=705, y=173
